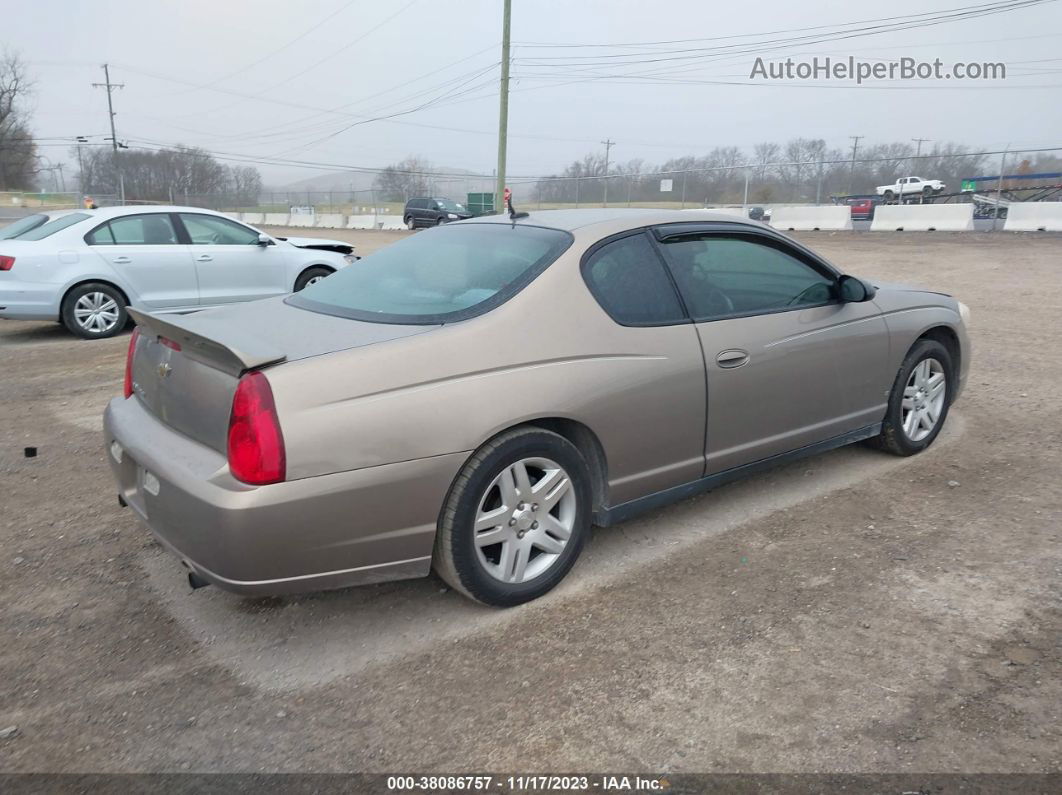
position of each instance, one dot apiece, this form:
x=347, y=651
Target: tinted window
x=23, y=225
x=628, y=280
x=50, y=228
x=209, y=229
x=143, y=230
x=448, y=273
x=418, y=204
x=721, y=276
x=100, y=236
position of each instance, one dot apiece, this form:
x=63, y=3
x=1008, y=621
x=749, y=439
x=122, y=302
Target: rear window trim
x=482, y=308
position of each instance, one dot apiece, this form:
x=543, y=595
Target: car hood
x=319, y=243
x=904, y=288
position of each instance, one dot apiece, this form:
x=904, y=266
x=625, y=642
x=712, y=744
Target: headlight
x=451, y=216
x=350, y=258
x=964, y=313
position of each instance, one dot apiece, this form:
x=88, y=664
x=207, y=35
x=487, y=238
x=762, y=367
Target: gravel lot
x=851, y=612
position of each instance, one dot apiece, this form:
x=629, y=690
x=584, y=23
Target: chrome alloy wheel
x=923, y=399
x=96, y=312
x=313, y=280
x=524, y=520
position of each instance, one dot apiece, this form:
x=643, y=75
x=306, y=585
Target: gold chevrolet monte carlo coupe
x=475, y=397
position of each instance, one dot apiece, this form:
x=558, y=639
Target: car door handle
x=122, y=260
x=204, y=258
x=732, y=358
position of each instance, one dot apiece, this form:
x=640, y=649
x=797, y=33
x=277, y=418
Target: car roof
x=104, y=213
x=620, y=217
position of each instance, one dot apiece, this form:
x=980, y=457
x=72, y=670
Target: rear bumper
x=28, y=300
x=331, y=531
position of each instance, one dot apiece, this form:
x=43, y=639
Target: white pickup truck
x=908, y=185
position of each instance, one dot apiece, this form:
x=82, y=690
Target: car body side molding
x=605, y=517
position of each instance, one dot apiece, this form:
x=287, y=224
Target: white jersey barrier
x=812, y=218
x=254, y=219
x=330, y=221
x=301, y=219
x=361, y=222
x=390, y=222
x=923, y=218
x=1034, y=217
x=275, y=219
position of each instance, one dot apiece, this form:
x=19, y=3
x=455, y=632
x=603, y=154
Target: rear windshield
x=22, y=225
x=440, y=275
x=50, y=228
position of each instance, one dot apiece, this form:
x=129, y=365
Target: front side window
x=53, y=226
x=449, y=205
x=446, y=274
x=139, y=230
x=209, y=229
x=628, y=279
x=723, y=276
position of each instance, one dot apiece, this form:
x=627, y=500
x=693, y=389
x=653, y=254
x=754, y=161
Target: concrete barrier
x=832, y=217
x=275, y=219
x=923, y=218
x=330, y=221
x=1034, y=217
x=254, y=219
x=740, y=212
x=361, y=222
x=301, y=219
x=390, y=222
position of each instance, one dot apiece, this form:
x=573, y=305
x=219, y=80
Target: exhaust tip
x=196, y=581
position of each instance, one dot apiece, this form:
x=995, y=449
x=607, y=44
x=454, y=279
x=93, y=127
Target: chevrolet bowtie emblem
x=164, y=370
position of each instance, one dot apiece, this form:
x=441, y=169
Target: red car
x=862, y=209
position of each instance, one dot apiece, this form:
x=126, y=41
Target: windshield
x=50, y=228
x=452, y=206
x=22, y=225
x=449, y=273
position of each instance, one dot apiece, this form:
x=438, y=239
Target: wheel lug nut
x=512, y=523
x=534, y=525
x=534, y=506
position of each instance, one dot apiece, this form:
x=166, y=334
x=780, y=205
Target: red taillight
x=6, y=263
x=129, y=362
x=175, y=346
x=256, y=446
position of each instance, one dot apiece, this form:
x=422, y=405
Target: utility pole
x=62, y=179
x=920, y=141
x=855, y=147
x=503, y=107
x=608, y=145
x=81, y=139
x=114, y=136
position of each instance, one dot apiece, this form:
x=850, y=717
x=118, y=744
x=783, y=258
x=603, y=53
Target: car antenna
x=513, y=215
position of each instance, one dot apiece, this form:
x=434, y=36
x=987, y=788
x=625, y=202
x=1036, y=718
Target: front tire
x=311, y=276
x=919, y=400
x=94, y=311
x=516, y=518
x=410, y=223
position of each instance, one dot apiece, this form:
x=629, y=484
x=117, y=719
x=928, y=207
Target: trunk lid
x=186, y=366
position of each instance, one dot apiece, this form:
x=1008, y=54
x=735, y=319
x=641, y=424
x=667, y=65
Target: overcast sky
x=281, y=80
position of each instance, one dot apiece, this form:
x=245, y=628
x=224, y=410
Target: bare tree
x=403, y=180
x=18, y=152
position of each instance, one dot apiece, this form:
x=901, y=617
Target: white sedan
x=85, y=267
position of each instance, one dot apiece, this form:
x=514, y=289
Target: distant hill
x=451, y=180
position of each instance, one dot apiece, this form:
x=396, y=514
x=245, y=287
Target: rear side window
x=628, y=279
x=138, y=230
x=52, y=227
x=23, y=225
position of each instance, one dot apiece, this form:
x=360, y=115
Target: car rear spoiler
x=200, y=333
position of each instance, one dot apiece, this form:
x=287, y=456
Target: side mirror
x=264, y=240
x=853, y=290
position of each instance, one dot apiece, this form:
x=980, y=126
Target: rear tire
x=516, y=518
x=889, y=196
x=311, y=276
x=94, y=311
x=904, y=432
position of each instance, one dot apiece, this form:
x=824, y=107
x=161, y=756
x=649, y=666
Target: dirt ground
x=850, y=612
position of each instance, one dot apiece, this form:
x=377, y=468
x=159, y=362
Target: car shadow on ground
x=28, y=332
x=297, y=641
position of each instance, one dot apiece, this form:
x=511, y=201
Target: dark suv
x=432, y=212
